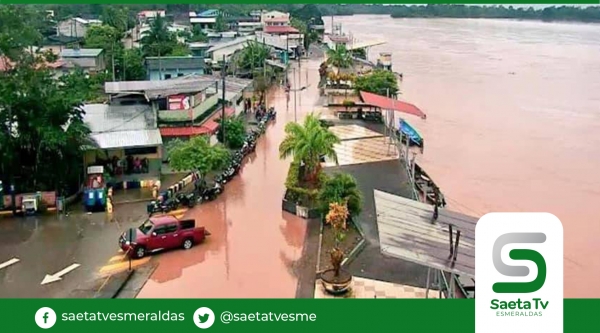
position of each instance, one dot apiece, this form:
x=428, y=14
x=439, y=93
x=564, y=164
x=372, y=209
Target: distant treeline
x=562, y=13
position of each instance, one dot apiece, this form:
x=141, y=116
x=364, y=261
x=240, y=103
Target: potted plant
x=337, y=281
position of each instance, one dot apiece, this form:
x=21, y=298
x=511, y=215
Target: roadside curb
x=358, y=248
x=318, y=275
x=113, y=284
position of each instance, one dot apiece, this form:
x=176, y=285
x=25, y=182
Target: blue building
x=164, y=68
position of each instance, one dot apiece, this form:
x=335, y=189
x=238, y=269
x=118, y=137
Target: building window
x=140, y=151
x=179, y=74
x=167, y=76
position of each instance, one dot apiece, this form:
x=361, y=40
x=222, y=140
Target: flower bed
x=350, y=240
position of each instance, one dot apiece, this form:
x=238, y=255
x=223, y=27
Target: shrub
x=341, y=188
x=235, y=131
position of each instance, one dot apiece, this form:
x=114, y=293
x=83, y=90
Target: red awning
x=211, y=124
x=182, y=131
x=387, y=103
x=280, y=29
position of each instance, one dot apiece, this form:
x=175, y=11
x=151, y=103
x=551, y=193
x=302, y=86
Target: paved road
x=50, y=243
x=255, y=248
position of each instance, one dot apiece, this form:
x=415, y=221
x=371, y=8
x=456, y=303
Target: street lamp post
x=295, y=91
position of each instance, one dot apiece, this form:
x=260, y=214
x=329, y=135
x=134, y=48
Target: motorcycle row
x=204, y=193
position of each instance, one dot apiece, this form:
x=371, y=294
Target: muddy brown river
x=513, y=119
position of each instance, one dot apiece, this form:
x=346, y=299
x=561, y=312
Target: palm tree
x=253, y=56
x=307, y=143
x=158, y=41
x=342, y=189
x=339, y=57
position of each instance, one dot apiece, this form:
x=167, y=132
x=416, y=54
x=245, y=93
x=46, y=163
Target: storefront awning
x=386, y=103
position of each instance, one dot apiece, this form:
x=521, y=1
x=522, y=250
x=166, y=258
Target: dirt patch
x=350, y=241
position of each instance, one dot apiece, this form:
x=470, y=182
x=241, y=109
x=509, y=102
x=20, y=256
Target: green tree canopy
x=197, y=35
x=116, y=17
x=41, y=122
x=220, y=24
x=339, y=57
x=132, y=65
x=235, y=131
x=380, y=82
x=158, y=41
x=252, y=56
x=197, y=154
x=107, y=38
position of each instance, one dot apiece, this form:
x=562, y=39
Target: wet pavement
x=255, y=249
x=50, y=243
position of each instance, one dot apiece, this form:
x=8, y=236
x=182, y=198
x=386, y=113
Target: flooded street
x=513, y=118
x=254, y=246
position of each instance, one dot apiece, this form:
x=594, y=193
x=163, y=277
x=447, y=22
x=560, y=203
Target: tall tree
x=116, y=17
x=252, y=56
x=158, y=41
x=132, y=65
x=339, y=57
x=41, y=121
x=107, y=38
x=307, y=142
x=220, y=24
x=197, y=35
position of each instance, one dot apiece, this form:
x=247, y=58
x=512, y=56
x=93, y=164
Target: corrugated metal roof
x=78, y=53
x=407, y=231
x=105, y=118
x=165, y=63
x=236, y=41
x=87, y=62
x=115, y=126
x=232, y=84
x=128, y=139
x=163, y=88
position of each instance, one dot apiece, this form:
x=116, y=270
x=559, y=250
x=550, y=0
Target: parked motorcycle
x=162, y=206
x=271, y=114
x=187, y=199
x=210, y=194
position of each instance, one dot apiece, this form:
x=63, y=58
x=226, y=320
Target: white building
x=275, y=16
x=247, y=28
x=75, y=27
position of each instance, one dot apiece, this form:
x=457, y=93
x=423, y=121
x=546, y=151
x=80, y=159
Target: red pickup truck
x=161, y=233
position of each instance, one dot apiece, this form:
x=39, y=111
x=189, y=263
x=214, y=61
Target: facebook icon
x=45, y=317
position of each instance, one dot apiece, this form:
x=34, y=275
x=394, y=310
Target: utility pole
x=287, y=55
x=265, y=76
x=223, y=74
x=159, y=66
x=113, y=61
x=11, y=186
x=295, y=117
